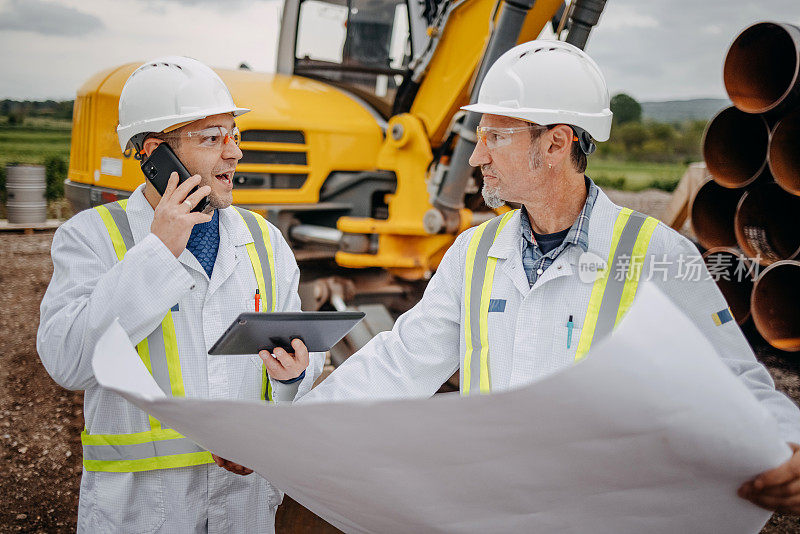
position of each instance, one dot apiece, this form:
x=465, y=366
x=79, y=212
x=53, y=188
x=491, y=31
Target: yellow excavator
x=355, y=148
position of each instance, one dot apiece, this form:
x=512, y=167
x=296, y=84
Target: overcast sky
x=651, y=49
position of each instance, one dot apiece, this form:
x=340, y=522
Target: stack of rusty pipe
x=747, y=215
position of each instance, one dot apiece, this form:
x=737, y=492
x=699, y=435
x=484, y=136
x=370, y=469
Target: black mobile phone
x=161, y=164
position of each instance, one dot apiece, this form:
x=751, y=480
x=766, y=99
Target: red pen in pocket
x=258, y=299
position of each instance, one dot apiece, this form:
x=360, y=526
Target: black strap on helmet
x=585, y=140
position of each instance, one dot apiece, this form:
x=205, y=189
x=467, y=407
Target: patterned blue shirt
x=534, y=262
x=204, y=243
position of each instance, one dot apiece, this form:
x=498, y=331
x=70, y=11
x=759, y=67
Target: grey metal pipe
x=766, y=224
x=322, y=235
x=762, y=68
x=584, y=16
x=784, y=153
x=735, y=147
x=450, y=196
x=712, y=212
x=774, y=305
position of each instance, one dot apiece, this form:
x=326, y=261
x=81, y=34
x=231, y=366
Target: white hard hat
x=547, y=82
x=169, y=91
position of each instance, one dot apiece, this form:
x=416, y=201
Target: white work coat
x=89, y=289
x=528, y=337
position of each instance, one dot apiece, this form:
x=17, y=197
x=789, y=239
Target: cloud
x=627, y=16
x=56, y=66
x=682, y=54
x=161, y=5
x=652, y=50
x=47, y=18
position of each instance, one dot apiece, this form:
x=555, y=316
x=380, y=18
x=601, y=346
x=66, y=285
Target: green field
x=39, y=139
x=635, y=176
x=35, y=141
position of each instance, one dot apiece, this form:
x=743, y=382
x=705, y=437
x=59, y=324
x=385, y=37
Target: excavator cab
x=363, y=47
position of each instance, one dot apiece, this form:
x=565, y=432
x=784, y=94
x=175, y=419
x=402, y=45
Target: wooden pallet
x=28, y=228
x=678, y=210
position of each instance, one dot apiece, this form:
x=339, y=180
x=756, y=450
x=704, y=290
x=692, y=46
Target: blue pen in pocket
x=570, y=324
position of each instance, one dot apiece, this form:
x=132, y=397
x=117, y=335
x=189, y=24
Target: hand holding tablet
x=286, y=365
x=251, y=333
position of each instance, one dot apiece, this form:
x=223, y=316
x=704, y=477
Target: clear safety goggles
x=499, y=137
x=214, y=137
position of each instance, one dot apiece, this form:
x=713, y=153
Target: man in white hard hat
x=175, y=279
x=562, y=270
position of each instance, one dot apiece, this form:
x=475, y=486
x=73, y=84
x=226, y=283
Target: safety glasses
x=494, y=138
x=214, y=137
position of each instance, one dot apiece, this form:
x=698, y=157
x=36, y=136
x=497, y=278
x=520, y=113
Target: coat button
x=539, y=270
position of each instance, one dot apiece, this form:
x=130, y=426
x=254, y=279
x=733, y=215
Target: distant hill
x=682, y=110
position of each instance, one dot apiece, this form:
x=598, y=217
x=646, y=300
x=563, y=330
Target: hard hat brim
x=125, y=133
x=597, y=124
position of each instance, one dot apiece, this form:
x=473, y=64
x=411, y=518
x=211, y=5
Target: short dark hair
x=577, y=156
x=163, y=137
x=174, y=141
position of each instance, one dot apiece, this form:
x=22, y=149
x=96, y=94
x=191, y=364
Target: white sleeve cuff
x=284, y=393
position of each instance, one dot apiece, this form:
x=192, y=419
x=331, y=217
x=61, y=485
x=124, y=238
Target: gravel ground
x=40, y=423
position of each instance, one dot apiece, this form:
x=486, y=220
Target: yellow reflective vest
x=158, y=447
x=611, y=296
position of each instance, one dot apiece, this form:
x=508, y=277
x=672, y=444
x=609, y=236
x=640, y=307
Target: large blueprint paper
x=650, y=433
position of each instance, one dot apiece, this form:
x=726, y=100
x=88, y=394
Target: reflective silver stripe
x=155, y=341
x=158, y=364
x=261, y=250
x=476, y=288
x=121, y=220
x=140, y=451
x=612, y=296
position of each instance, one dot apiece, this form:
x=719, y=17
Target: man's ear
x=561, y=136
x=150, y=144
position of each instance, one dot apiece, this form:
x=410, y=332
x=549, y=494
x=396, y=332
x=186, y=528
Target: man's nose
x=480, y=156
x=231, y=150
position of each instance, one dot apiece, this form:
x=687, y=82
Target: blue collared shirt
x=204, y=243
x=533, y=260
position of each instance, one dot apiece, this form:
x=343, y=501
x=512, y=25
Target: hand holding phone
x=174, y=219
x=160, y=165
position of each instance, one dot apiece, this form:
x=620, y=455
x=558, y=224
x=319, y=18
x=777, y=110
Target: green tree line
x=636, y=140
x=17, y=110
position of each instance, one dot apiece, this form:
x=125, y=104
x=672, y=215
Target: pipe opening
x=766, y=224
x=774, y=305
x=761, y=67
x=735, y=147
x=784, y=153
x=712, y=214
